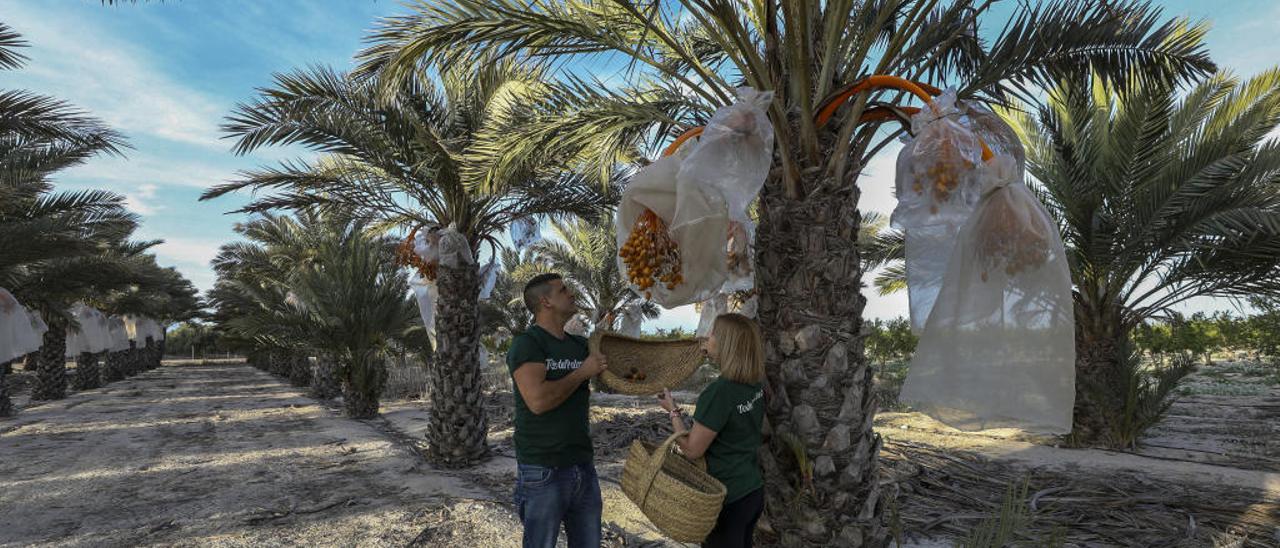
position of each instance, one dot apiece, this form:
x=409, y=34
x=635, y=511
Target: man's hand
x=595, y=364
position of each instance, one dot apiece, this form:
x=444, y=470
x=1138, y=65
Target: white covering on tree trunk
x=92, y=336
x=139, y=328
x=711, y=309
x=119, y=335
x=525, y=232
x=21, y=331
x=488, y=279
x=425, y=293
x=455, y=250
x=632, y=321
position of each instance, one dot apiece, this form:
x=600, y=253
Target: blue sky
x=166, y=73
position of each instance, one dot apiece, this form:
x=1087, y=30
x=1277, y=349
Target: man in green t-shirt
x=556, y=478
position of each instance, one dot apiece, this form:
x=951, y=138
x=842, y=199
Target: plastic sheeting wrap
x=576, y=326
x=93, y=335
x=998, y=346
x=119, y=335
x=455, y=250
x=139, y=328
x=488, y=279
x=699, y=193
x=21, y=331
x=525, y=232
x=632, y=320
x=711, y=309
x=425, y=293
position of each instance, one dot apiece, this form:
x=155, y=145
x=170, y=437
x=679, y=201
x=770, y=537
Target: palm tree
x=587, y=255
x=1161, y=197
x=357, y=306
x=809, y=270
x=53, y=252
x=404, y=159
x=262, y=269
x=322, y=282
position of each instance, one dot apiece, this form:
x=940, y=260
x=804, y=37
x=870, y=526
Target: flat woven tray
x=654, y=365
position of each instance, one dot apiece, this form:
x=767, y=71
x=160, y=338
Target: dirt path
x=211, y=455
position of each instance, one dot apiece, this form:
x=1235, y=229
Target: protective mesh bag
x=139, y=328
x=455, y=250
x=711, y=309
x=576, y=326
x=119, y=336
x=488, y=279
x=741, y=257
x=698, y=192
x=92, y=336
x=21, y=330
x=632, y=320
x=425, y=293
x=938, y=186
x=998, y=349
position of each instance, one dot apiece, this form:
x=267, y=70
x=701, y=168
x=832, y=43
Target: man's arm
x=542, y=395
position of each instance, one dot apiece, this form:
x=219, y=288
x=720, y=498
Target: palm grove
x=472, y=114
x=60, y=248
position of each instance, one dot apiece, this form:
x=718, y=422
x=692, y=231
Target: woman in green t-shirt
x=726, y=427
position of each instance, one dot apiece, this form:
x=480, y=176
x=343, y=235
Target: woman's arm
x=699, y=439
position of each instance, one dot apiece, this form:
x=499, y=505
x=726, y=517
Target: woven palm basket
x=676, y=494
x=663, y=364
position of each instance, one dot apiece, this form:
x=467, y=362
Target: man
x=556, y=479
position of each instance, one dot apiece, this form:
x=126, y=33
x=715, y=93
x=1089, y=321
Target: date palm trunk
x=113, y=368
x=299, y=370
x=362, y=382
x=821, y=460
x=1100, y=337
x=458, y=429
x=6, y=404
x=51, y=367
x=87, y=374
x=325, y=383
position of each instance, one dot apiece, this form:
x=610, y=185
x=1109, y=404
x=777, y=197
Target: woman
x=726, y=427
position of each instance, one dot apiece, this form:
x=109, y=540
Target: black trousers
x=737, y=522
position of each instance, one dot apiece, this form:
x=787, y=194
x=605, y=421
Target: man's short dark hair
x=537, y=288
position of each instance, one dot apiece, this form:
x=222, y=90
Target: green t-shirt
x=736, y=412
x=561, y=436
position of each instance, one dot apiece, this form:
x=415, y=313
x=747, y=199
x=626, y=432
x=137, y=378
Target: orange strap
x=675, y=145
x=922, y=90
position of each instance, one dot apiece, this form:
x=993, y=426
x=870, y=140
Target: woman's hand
x=664, y=400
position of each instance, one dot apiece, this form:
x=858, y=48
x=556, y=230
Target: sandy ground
x=208, y=455
x=227, y=455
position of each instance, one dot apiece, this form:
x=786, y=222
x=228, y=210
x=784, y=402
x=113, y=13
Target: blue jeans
x=546, y=497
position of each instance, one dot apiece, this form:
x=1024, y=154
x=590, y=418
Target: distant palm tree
x=350, y=303
x=402, y=158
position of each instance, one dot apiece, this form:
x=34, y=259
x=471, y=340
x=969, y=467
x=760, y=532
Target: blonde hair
x=739, y=348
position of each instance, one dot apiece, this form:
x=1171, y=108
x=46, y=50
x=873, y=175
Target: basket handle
x=655, y=464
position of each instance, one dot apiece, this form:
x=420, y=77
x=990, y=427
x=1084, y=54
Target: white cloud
x=113, y=79
x=120, y=174
x=140, y=202
x=187, y=251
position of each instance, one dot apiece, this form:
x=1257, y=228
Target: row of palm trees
x=322, y=283
x=59, y=248
x=472, y=113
